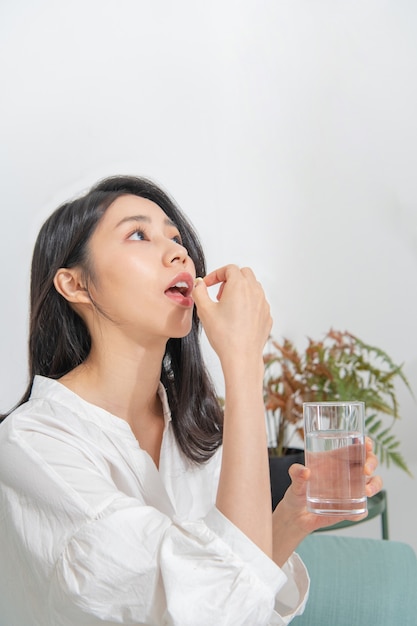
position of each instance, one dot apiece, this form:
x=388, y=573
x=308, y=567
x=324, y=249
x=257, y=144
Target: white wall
x=285, y=129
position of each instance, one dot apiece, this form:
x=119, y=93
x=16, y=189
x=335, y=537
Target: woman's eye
x=140, y=235
x=137, y=235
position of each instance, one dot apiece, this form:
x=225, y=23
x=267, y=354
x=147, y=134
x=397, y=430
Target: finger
x=220, y=292
x=200, y=294
x=369, y=444
x=370, y=465
x=299, y=475
x=373, y=486
x=248, y=273
x=220, y=275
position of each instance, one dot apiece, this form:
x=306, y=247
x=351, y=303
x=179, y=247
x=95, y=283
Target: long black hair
x=59, y=339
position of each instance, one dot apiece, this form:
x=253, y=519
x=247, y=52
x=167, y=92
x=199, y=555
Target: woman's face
x=142, y=275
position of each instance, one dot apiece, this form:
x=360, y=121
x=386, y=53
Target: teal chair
x=359, y=582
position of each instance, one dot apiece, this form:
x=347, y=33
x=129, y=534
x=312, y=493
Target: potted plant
x=338, y=367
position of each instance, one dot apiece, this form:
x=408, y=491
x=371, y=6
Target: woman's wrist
x=286, y=533
x=243, y=370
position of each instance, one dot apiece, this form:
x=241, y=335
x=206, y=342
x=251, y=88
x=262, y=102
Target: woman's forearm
x=244, y=494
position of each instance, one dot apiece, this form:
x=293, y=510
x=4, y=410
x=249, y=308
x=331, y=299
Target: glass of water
x=335, y=453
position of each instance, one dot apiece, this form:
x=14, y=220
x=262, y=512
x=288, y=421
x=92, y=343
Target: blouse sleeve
x=132, y=565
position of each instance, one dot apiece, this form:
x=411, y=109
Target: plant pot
x=278, y=471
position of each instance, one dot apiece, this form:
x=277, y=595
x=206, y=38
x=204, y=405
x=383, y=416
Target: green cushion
x=359, y=582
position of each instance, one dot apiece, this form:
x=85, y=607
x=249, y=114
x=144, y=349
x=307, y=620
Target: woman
x=126, y=496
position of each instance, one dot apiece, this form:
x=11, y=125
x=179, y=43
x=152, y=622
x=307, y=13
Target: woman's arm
x=238, y=326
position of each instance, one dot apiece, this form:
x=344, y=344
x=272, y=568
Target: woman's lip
x=182, y=277
x=180, y=299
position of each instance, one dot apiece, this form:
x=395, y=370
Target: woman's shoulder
x=60, y=437
x=42, y=412
x=53, y=406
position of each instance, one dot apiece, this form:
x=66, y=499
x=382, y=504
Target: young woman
x=126, y=497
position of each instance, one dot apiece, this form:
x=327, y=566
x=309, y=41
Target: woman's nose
x=176, y=253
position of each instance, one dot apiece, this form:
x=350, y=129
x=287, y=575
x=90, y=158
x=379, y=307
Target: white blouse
x=93, y=534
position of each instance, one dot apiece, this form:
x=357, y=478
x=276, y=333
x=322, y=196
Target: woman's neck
x=124, y=384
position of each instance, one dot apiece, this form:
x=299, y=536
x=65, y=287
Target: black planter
x=278, y=471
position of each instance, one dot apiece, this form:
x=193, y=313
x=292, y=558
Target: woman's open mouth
x=180, y=289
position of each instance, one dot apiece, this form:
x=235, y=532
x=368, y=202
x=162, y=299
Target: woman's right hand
x=239, y=323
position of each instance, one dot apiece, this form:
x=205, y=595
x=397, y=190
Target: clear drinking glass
x=335, y=453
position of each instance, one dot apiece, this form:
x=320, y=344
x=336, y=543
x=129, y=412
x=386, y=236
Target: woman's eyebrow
x=133, y=218
x=143, y=218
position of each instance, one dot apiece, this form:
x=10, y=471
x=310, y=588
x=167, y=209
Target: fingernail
x=197, y=281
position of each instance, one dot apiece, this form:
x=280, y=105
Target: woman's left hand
x=292, y=517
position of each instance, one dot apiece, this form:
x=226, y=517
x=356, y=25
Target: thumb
x=299, y=475
x=200, y=293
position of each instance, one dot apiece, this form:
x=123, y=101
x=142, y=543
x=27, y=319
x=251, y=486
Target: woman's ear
x=69, y=284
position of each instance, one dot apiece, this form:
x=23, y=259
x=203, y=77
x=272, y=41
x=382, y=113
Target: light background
x=286, y=130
